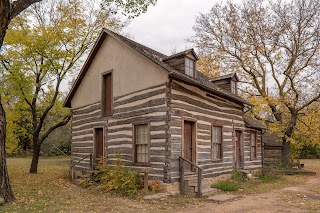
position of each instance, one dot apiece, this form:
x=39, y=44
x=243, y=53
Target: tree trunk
x=4, y=19
x=286, y=153
x=5, y=187
x=288, y=134
x=35, y=159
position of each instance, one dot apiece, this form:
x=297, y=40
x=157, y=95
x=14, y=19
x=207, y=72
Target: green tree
x=8, y=11
x=44, y=46
x=275, y=46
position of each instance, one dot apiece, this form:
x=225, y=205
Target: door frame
x=95, y=143
x=194, y=138
x=241, y=166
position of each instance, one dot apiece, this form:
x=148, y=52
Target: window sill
x=106, y=116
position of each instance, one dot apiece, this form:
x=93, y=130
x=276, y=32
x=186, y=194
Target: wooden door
x=188, y=144
x=238, y=149
x=99, y=143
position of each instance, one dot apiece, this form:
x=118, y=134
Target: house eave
x=178, y=76
x=85, y=67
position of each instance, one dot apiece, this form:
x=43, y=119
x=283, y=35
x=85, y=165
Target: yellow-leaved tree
x=43, y=47
x=275, y=48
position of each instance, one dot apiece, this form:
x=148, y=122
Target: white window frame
x=233, y=87
x=137, y=144
x=215, y=144
x=189, y=67
x=253, y=146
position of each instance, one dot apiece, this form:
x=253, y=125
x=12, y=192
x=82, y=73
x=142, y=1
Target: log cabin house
x=157, y=111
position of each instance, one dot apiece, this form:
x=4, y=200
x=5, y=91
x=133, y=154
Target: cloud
x=167, y=25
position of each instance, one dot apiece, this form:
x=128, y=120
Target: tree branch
x=63, y=122
x=18, y=6
x=316, y=98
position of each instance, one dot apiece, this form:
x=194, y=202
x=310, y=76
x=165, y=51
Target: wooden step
x=189, y=173
x=76, y=181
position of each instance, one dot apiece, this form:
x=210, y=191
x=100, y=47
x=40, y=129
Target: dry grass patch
x=51, y=191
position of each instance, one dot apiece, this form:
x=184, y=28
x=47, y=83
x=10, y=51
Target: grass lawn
x=51, y=191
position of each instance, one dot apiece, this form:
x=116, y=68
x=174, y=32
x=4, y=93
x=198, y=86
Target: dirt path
x=303, y=197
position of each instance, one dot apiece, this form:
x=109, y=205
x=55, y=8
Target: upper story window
x=189, y=69
x=233, y=87
x=107, y=94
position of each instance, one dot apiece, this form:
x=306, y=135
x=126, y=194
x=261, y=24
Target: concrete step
x=209, y=191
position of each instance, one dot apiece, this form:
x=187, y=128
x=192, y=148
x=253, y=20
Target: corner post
x=182, y=192
x=199, y=194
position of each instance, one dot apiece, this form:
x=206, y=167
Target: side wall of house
x=139, y=89
x=131, y=72
x=254, y=163
x=150, y=107
x=193, y=104
x=84, y=120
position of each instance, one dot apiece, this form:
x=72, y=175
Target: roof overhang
x=92, y=54
x=178, y=76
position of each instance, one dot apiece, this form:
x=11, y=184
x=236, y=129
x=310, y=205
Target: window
x=107, y=95
x=189, y=67
x=253, y=146
x=216, y=143
x=233, y=87
x=141, y=143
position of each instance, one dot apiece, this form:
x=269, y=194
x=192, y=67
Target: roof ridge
x=184, y=52
x=160, y=55
x=230, y=75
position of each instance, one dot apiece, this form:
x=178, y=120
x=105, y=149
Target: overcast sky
x=166, y=26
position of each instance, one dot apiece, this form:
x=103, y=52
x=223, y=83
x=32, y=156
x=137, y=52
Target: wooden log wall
x=148, y=106
x=84, y=120
x=163, y=107
x=255, y=163
x=190, y=103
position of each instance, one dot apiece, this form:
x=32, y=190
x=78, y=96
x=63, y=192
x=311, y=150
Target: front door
x=238, y=149
x=188, y=143
x=99, y=144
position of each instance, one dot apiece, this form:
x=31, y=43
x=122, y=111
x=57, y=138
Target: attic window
x=233, y=87
x=189, y=69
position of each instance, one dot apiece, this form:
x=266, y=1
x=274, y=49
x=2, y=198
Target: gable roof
x=156, y=57
x=253, y=123
x=231, y=75
x=183, y=53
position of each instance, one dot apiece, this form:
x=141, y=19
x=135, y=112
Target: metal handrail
x=85, y=158
x=182, y=186
x=74, y=163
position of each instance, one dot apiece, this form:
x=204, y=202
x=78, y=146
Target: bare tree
x=275, y=47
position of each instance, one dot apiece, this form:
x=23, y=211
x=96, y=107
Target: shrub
x=239, y=176
x=86, y=182
x=155, y=185
x=118, y=179
x=226, y=185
